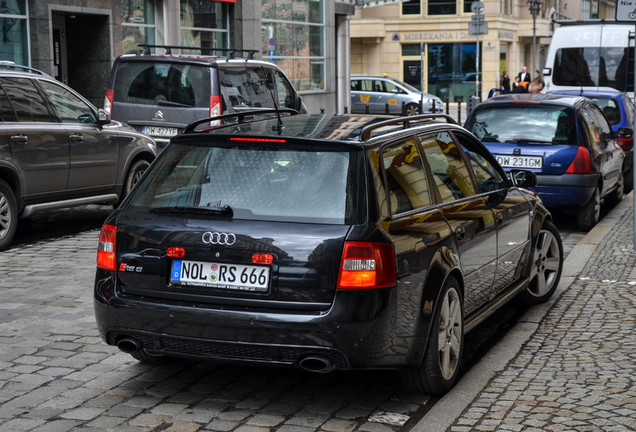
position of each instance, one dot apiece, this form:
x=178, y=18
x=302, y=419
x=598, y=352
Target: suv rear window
x=523, y=123
x=163, y=83
x=257, y=182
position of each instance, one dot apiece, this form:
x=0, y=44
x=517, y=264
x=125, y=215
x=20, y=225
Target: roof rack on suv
x=229, y=51
x=7, y=64
x=365, y=133
x=240, y=116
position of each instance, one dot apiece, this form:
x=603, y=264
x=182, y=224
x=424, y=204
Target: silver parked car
x=385, y=95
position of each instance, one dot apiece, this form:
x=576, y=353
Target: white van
x=591, y=54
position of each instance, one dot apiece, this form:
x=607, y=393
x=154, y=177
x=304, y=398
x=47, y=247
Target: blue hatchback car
x=619, y=111
x=565, y=140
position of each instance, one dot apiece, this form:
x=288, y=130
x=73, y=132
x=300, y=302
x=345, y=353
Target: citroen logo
x=217, y=238
x=158, y=115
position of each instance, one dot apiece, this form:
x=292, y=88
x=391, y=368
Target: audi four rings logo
x=218, y=238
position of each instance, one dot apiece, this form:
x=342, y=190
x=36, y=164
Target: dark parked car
x=619, y=111
x=322, y=242
x=159, y=94
x=565, y=140
x=57, y=150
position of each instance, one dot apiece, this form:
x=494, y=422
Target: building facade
x=429, y=43
x=76, y=41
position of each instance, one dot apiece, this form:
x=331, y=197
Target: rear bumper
x=567, y=190
x=360, y=330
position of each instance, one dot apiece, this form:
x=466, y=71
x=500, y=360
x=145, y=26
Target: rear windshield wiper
x=528, y=141
x=225, y=211
x=172, y=104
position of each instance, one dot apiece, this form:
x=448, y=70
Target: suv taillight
x=106, y=248
x=581, y=163
x=108, y=101
x=215, y=109
x=367, y=265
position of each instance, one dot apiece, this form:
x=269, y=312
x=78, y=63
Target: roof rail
x=365, y=133
x=229, y=52
x=240, y=116
x=8, y=64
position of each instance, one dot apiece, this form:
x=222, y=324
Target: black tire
x=588, y=215
x=143, y=357
x=135, y=172
x=8, y=215
x=547, y=264
x=617, y=194
x=411, y=109
x=443, y=357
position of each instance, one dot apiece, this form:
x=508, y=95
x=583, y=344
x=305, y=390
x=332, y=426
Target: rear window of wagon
x=257, y=181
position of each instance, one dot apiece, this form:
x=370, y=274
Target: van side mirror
x=547, y=71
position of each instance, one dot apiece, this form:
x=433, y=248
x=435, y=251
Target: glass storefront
x=14, y=45
x=293, y=37
x=451, y=71
x=138, y=24
x=204, y=24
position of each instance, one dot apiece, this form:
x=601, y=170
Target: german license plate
x=220, y=275
x=512, y=161
x=159, y=131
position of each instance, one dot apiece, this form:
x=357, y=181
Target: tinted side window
x=405, y=177
x=247, y=86
x=25, y=100
x=69, y=107
x=6, y=110
x=450, y=174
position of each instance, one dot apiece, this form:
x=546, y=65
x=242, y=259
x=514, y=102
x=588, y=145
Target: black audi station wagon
x=322, y=242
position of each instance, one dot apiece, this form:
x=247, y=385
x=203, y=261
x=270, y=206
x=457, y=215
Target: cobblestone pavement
x=578, y=371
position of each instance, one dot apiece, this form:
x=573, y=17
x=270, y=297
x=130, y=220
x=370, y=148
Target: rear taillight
x=108, y=101
x=367, y=265
x=106, y=248
x=215, y=109
x=625, y=139
x=581, y=163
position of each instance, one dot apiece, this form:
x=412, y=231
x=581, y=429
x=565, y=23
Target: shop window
x=14, y=43
x=204, y=24
x=138, y=24
x=293, y=37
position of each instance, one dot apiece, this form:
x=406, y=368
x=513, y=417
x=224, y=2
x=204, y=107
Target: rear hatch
x=159, y=98
x=527, y=135
x=246, y=223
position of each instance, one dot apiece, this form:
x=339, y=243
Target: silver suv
x=384, y=95
x=57, y=150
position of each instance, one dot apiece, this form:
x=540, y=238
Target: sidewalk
x=569, y=364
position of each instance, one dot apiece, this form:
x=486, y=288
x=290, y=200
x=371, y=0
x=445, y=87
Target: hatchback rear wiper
x=225, y=211
x=172, y=104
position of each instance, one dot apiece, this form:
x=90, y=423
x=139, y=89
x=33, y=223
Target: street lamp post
x=535, y=9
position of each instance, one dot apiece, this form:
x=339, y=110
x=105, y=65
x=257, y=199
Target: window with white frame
x=138, y=24
x=204, y=24
x=293, y=36
x=14, y=38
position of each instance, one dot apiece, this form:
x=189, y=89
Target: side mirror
x=102, y=117
x=523, y=178
x=547, y=71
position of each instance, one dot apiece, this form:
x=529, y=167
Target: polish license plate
x=512, y=161
x=159, y=131
x=220, y=275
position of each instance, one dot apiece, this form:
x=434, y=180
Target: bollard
x=346, y=110
x=448, y=106
x=366, y=109
x=386, y=108
x=459, y=111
